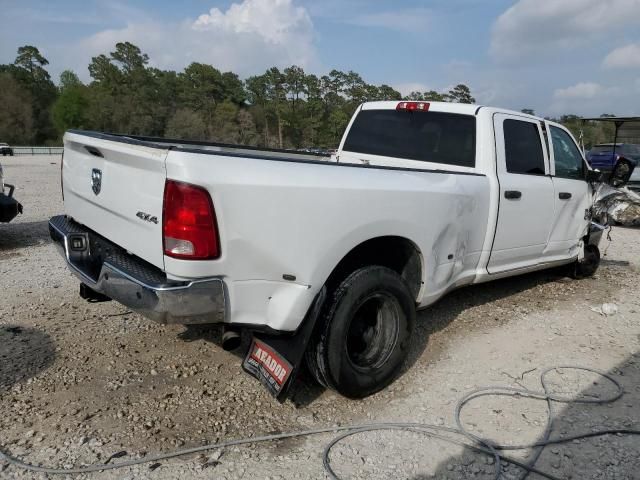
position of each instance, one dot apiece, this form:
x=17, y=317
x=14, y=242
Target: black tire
x=588, y=266
x=363, y=337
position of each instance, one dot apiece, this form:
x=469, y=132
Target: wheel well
x=397, y=253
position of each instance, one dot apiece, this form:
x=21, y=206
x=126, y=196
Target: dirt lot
x=79, y=381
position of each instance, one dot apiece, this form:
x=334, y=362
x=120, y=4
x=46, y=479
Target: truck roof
x=463, y=108
x=460, y=108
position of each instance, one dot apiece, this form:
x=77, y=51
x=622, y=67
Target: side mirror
x=621, y=173
x=594, y=176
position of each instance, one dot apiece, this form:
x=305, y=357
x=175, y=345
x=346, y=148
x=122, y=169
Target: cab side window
x=567, y=157
x=523, y=149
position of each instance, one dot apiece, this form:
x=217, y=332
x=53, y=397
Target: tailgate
x=116, y=188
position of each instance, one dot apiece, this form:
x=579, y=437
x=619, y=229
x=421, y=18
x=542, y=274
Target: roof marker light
x=413, y=106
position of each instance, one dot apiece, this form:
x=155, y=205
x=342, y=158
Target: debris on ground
x=619, y=205
x=606, y=309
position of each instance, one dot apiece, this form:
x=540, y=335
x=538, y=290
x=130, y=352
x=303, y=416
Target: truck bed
x=195, y=146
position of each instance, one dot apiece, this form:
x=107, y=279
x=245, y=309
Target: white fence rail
x=37, y=150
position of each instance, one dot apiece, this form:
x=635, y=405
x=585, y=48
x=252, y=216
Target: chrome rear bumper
x=109, y=270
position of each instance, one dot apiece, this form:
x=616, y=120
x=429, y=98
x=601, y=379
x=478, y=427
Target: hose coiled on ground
x=468, y=439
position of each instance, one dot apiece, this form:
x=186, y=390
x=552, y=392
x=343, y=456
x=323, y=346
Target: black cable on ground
x=473, y=442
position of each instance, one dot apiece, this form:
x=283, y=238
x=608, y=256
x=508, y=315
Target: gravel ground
x=80, y=382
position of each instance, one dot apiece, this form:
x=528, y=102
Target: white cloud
x=247, y=38
x=590, y=97
x=405, y=20
x=579, y=90
x=546, y=26
x=276, y=21
x=624, y=57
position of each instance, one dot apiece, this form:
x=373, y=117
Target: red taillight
x=413, y=106
x=189, y=225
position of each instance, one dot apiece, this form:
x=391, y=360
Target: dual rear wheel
x=363, y=335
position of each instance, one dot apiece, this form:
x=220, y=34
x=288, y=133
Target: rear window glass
x=437, y=137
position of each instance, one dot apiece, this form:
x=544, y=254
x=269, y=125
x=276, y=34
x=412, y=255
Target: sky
x=554, y=56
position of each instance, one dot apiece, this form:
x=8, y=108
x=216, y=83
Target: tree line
x=286, y=108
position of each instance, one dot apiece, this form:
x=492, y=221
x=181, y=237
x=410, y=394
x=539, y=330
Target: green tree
x=258, y=96
x=29, y=71
x=31, y=60
x=385, y=92
x=430, y=95
x=186, y=124
x=16, y=121
x=225, y=128
x=276, y=96
x=201, y=88
x=338, y=121
x=68, y=79
x=284, y=108
x=129, y=57
x=105, y=73
x=127, y=96
x=461, y=94
x=434, y=96
x=247, y=133
x=70, y=109
x=296, y=89
x=233, y=88
x=313, y=110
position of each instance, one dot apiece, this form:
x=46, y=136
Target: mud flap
x=275, y=360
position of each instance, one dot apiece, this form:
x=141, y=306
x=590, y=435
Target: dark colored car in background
x=625, y=157
x=604, y=159
x=5, y=149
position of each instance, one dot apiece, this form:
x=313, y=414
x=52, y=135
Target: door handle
x=512, y=194
x=564, y=195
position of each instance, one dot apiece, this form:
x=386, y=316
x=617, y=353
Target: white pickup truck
x=325, y=259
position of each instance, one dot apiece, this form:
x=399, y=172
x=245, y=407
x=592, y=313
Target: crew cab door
x=571, y=194
x=526, y=203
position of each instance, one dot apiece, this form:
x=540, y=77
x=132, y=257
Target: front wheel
x=589, y=264
x=364, y=335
